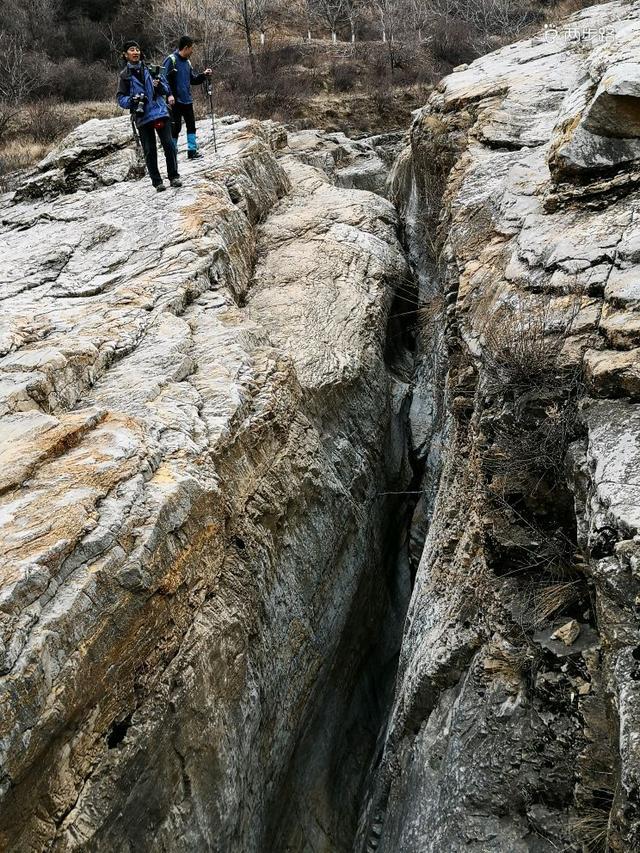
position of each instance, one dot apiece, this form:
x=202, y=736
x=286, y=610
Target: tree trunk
x=262, y=37
x=247, y=35
x=334, y=37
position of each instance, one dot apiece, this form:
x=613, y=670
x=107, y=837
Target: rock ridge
x=196, y=420
x=518, y=194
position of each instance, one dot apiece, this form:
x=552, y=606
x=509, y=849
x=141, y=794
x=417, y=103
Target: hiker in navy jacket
x=181, y=77
x=138, y=85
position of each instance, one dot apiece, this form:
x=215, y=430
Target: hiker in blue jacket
x=144, y=94
x=181, y=77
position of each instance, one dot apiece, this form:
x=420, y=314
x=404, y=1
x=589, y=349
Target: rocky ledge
x=517, y=709
x=196, y=424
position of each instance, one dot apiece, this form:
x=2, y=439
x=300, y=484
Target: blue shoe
x=192, y=147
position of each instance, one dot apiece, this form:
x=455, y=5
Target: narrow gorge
x=320, y=477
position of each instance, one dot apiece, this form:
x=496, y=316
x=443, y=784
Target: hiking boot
x=194, y=155
x=175, y=182
x=160, y=188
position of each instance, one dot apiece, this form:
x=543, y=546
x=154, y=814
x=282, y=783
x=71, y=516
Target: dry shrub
x=85, y=110
x=74, y=81
x=10, y=119
x=527, y=444
x=553, y=598
x=522, y=351
x=507, y=662
x=537, y=547
x=545, y=598
x=562, y=9
x=538, y=395
x=452, y=43
x=434, y=158
x=593, y=827
x=344, y=76
x=46, y=121
x=430, y=316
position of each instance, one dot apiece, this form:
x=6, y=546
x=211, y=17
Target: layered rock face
x=515, y=720
x=197, y=423
x=215, y=427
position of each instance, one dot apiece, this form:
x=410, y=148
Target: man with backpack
x=142, y=90
x=181, y=77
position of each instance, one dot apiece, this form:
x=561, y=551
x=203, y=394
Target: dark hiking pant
x=148, y=140
x=179, y=112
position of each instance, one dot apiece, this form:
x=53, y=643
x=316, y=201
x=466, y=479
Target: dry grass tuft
x=430, y=315
x=34, y=129
x=593, y=828
x=522, y=349
x=537, y=392
x=507, y=663
x=551, y=599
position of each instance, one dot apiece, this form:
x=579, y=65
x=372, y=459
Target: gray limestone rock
x=514, y=719
x=196, y=419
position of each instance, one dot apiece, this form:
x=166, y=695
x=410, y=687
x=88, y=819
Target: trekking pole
x=213, y=115
x=136, y=136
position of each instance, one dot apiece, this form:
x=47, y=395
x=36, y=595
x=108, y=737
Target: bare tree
x=16, y=84
x=332, y=12
x=497, y=17
x=33, y=21
x=353, y=11
x=388, y=11
x=487, y=18
x=309, y=15
x=170, y=19
x=418, y=13
x=262, y=12
x=303, y=11
x=242, y=13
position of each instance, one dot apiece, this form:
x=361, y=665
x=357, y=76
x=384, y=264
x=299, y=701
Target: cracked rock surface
x=195, y=424
x=515, y=718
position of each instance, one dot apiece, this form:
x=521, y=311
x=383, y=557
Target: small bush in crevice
x=522, y=351
x=529, y=445
x=552, y=599
x=533, y=417
x=434, y=158
x=594, y=826
x=529, y=546
x=507, y=662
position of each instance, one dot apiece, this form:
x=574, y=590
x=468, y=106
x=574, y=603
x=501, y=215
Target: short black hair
x=185, y=41
x=131, y=43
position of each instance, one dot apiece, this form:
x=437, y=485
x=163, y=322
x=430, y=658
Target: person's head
x=131, y=51
x=185, y=47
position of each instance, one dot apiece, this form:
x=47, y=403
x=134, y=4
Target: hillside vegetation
x=360, y=66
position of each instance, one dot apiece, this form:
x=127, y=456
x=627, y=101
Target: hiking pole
x=136, y=136
x=213, y=115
